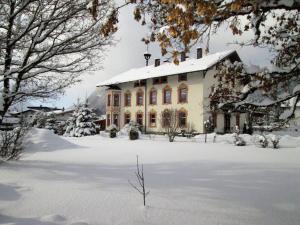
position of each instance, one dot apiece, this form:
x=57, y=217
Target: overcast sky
x=128, y=53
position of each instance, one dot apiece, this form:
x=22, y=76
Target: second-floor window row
x=152, y=96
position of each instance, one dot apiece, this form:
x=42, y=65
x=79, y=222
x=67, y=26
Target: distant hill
x=97, y=101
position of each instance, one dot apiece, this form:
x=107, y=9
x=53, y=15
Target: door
x=226, y=123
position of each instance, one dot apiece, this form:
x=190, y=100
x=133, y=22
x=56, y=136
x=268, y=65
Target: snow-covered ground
x=61, y=180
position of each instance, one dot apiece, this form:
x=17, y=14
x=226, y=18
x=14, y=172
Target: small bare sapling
x=141, y=181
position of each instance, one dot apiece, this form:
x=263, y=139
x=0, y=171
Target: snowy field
x=79, y=181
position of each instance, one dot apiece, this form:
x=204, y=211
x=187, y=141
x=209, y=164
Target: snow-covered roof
x=169, y=68
x=58, y=112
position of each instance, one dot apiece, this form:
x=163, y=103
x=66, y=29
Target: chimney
x=156, y=62
x=199, y=53
x=183, y=57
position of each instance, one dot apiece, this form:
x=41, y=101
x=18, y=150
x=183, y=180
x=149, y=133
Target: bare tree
x=141, y=181
x=45, y=45
x=170, y=123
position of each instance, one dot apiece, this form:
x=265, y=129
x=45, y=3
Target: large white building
x=146, y=94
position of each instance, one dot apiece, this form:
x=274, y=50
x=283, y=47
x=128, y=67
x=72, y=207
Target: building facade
x=146, y=95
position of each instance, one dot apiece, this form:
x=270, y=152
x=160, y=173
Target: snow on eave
x=169, y=68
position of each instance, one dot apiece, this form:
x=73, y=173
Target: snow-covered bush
x=237, y=140
x=132, y=130
x=133, y=134
x=274, y=140
x=113, y=130
x=81, y=122
x=50, y=123
x=261, y=140
x=60, y=128
x=39, y=119
x=11, y=142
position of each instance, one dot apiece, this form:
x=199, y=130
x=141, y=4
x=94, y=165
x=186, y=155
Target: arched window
x=139, y=97
x=127, y=98
x=182, y=118
x=139, y=118
x=116, y=100
x=182, y=93
x=153, y=96
x=166, y=118
x=152, y=119
x=167, y=95
x=127, y=118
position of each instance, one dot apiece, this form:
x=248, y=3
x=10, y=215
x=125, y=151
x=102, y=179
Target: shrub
x=11, y=142
x=133, y=134
x=238, y=141
x=60, y=128
x=261, y=140
x=113, y=133
x=274, y=140
x=112, y=129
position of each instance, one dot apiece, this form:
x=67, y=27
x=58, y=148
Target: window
x=153, y=97
x=108, y=120
x=116, y=99
x=156, y=80
x=108, y=100
x=139, y=83
x=182, y=118
x=182, y=94
x=166, y=118
x=160, y=80
x=127, y=99
x=163, y=80
x=139, y=118
x=126, y=118
x=167, y=95
x=116, y=119
x=139, y=98
x=182, y=77
x=152, y=120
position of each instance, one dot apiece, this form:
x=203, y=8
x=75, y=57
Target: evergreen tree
x=81, y=122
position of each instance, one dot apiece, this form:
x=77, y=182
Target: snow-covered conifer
x=81, y=122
